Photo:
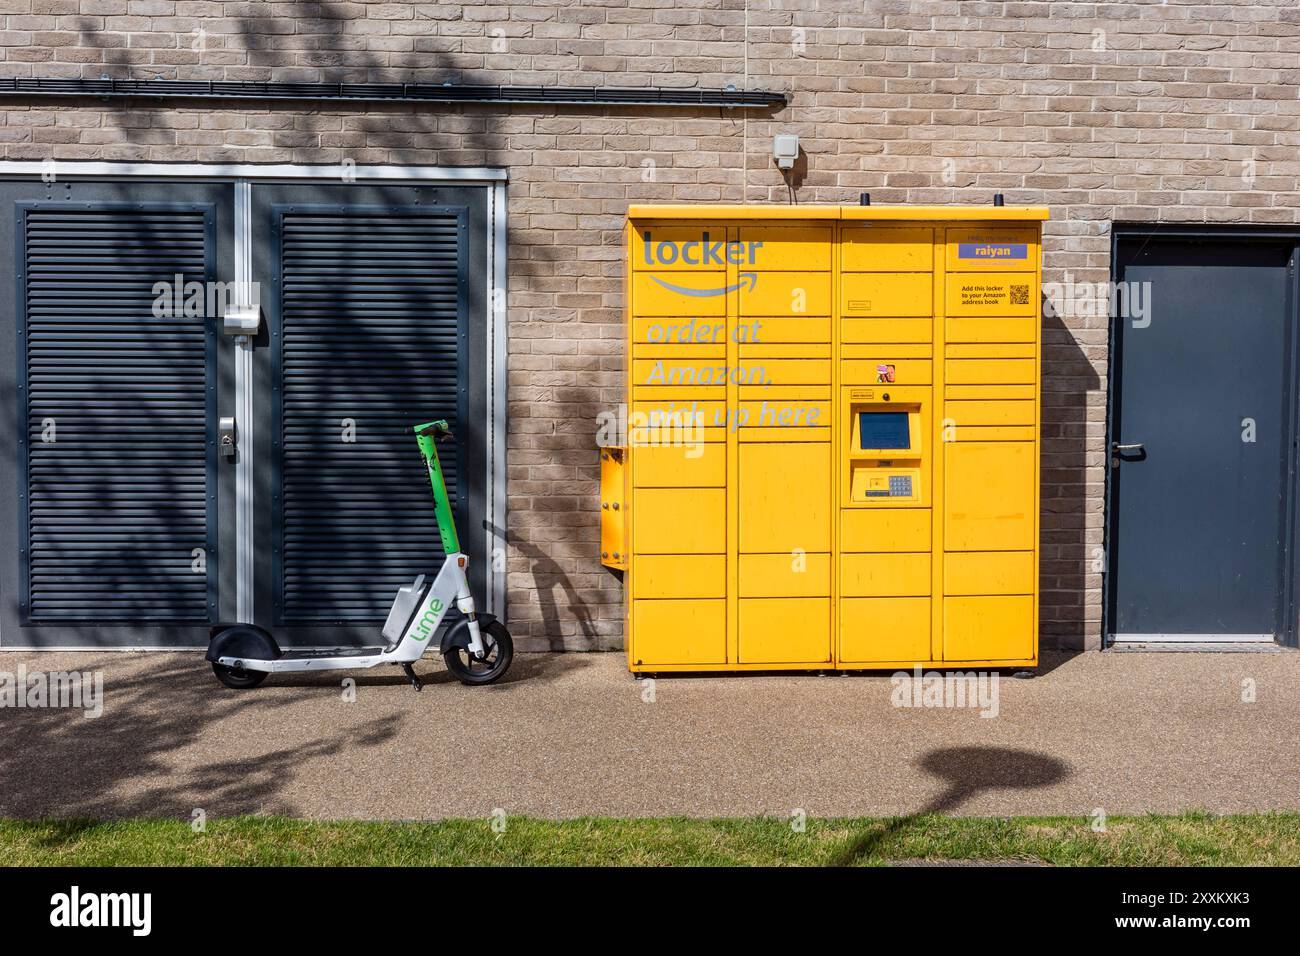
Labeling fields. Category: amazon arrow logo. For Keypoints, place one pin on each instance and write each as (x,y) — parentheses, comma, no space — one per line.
(747,282)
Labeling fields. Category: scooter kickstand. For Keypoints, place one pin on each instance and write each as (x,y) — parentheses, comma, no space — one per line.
(415,680)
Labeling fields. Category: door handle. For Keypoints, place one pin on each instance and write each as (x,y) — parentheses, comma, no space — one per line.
(1117,451)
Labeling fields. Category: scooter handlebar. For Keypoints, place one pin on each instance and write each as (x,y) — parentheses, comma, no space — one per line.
(440,431)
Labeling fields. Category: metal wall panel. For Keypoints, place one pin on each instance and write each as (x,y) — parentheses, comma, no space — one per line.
(135,472)
(372,340)
(110,494)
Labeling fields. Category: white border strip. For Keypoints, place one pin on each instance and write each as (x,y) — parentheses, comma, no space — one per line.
(245,553)
(496,551)
(1193,638)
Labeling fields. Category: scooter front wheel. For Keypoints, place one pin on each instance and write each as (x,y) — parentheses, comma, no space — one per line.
(500,652)
(236,677)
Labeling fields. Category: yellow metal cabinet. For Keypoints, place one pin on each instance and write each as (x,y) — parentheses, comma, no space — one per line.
(785,575)
(831,454)
(873,248)
(679,632)
(679,521)
(784,472)
(675,466)
(785,293)
(987,627)
(884,630)
(785,631)
(990,496)
(681,576)
(886,295)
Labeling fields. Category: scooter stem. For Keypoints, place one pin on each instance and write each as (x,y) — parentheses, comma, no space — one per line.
(425,437)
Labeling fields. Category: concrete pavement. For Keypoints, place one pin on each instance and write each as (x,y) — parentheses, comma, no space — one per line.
(570,734)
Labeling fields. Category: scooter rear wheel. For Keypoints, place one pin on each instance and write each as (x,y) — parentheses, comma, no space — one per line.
(470,670)
(237,678)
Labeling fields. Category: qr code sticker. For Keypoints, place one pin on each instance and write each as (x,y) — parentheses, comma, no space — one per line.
(1020,295)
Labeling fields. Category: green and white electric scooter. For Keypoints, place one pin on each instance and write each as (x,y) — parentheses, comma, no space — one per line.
(477,648)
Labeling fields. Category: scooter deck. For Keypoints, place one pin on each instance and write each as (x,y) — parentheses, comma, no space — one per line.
(313,653)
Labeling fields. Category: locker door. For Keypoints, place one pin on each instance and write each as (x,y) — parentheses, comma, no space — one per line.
(113,370)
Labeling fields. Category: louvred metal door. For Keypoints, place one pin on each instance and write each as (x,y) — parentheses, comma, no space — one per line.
(368,321)
(115,372)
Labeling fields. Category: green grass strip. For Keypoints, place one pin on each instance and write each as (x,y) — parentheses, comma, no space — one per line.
(1193,839)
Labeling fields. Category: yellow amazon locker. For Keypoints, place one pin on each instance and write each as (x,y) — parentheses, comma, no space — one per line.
(850,479)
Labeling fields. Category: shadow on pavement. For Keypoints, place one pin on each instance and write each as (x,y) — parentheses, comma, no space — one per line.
(58,763)
(968,771)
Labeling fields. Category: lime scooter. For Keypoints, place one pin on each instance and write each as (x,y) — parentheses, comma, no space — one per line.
(477,648)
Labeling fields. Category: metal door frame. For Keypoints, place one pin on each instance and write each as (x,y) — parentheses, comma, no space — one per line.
(1288,627)
(243,175)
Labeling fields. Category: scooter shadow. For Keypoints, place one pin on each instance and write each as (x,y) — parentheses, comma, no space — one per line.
(524,668)
(361,678)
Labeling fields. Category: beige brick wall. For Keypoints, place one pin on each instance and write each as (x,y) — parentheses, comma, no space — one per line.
(1103,111)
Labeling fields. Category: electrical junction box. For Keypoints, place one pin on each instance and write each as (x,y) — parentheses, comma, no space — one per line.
(833,425)
(785,150)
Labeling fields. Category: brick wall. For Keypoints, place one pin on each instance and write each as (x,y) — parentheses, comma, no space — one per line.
(1103,111)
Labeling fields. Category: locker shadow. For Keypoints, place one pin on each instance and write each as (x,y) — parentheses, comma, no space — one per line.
(969,771)
(532,667)
(1066,560)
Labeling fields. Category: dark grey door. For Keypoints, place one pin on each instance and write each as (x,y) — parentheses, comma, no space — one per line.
(368,292)
(1200,442)
(111,373)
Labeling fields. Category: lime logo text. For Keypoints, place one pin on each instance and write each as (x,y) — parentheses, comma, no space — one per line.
(429,620)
